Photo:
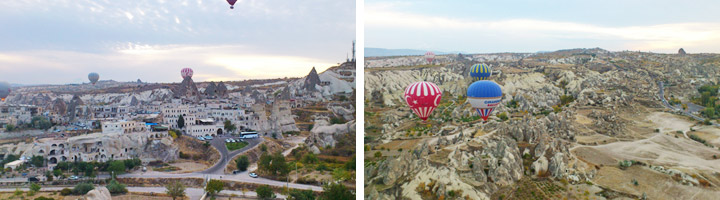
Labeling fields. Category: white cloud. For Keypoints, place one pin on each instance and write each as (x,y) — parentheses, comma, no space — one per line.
(382,17)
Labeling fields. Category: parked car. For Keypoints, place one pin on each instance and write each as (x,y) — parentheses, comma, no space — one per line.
(232,140)
(33,179)
(73,177)
(253,175)
(144,169)
(236,171)
(208,137)
(227,140)
(201,138)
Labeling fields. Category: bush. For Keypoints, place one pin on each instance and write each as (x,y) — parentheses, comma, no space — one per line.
(263,147)
(296,194)
(264,192)
(34,188)
(503,116)
(82,188)
(116,188)
(309,158)
(214,186)
(378,154)
(242,163)
(336,191)
(44,198)
(184,155)
(66,192)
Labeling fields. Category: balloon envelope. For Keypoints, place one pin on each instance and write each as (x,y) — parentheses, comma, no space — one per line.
(422,97)
(480,72)
(4,90)
(186,72)
(232,3)
(484,96)
(429,56)
(93,77)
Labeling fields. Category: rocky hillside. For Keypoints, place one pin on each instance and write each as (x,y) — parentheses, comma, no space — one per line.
(554,102)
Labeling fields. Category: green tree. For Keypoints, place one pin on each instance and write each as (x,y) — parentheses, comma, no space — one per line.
(263,147)
(309,158)
(242,163)
(278,165)
(229,126)
(116,188)
(175,189)
(57,172)
(83,188)
(296,194)
(49,176)
(503,116)
(214,186)
(264,162)
(9,128)
(37,161)
(34,188)
(116,166)
(709,112)
(181,122)
(336,191)
(264,192)
(40,122)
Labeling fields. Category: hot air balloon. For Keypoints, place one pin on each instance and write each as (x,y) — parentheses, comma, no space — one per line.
(93,77)
(423,97)
(429,56)
(186,73)
(232,3)
(480,72)
(4,90)
(484,96)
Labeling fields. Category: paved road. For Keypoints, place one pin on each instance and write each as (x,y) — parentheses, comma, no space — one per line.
(240,177)
(225,155)
(192,193)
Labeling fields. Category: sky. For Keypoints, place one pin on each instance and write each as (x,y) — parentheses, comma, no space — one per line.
(661,26)
(61,41)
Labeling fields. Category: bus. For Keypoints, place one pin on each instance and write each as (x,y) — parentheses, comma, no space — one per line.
(246,135)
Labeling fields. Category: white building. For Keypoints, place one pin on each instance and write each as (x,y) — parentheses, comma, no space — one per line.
(123,127)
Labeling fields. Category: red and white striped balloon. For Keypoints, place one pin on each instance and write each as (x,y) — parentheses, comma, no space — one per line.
(423,97)
(429,56)
(186,72)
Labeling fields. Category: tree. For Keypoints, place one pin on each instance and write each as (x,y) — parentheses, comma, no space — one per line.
(37,161)
(263,147)
(264,162)
(181,122)
(34,188)
(336,191)
(229,126)
(278,165)
(49,175)
(175,189)
(709,112)
(9,128)
(242,163)
(214,186)
(83,188)
(57,172)
(116,188)
(40,122)
(309,158)
(264,192)
(116,166)
(296,194)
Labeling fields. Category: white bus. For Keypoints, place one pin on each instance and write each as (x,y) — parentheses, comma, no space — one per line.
(249,135)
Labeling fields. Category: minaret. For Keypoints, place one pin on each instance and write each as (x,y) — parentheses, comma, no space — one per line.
(353,51)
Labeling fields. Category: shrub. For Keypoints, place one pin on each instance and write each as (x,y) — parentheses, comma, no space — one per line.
(264,192)
(116,188)
(82,188)
(66,191)
(378,154)
(44,198)
(242,163)
(34,188)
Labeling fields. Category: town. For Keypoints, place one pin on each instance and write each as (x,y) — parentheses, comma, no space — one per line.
(287,135)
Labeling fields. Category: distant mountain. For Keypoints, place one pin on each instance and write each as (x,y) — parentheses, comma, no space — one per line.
(374,52)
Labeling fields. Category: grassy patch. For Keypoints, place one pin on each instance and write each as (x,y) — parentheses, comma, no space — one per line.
(232,146)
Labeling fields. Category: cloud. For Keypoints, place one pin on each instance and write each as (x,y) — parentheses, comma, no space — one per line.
(658,37)
(154,62)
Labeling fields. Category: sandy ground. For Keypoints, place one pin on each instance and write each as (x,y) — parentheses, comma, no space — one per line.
(187,167)
(667,122)
(655,184)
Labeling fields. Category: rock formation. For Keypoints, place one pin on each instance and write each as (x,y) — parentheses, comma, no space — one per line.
(311,80)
